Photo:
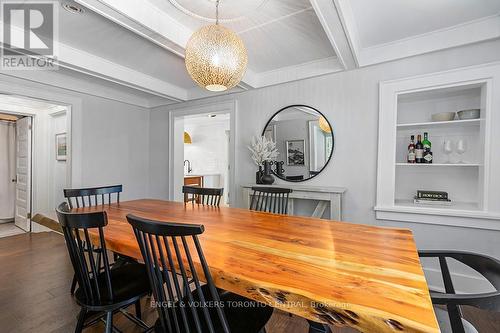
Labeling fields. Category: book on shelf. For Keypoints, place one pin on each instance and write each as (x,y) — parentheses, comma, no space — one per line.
(432,202)
(432,195)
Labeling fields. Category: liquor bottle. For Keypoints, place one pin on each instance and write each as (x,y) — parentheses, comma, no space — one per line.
(427,156)
(427,144)
(419,150)
(411,150)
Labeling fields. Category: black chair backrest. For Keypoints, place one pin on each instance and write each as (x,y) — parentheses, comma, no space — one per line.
(203,195)
(167,254)
(100,195)
(270,199)
(488,267)
(85,257)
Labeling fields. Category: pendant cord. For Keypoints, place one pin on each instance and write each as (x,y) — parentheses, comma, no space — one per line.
(217,12)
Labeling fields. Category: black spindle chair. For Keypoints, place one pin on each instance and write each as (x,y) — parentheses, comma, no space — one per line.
(270,199)
(488,267)
(172,251)
(203,195)
(103,290)
(88,197)
(92,196)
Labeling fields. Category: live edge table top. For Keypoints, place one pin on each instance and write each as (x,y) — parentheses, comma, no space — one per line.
(345,274)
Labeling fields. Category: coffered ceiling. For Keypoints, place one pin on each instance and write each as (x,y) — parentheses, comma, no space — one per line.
(139,44)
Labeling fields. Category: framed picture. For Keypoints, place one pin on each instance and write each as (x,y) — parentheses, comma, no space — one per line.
(61,147)
(295,150)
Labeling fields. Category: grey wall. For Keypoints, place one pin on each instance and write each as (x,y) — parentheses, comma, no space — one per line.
(115,146)
(110,139)
(350,101)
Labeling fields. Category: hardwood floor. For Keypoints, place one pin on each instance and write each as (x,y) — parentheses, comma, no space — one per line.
(9,229)
(35,276)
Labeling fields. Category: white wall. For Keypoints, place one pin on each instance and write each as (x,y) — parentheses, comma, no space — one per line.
(115,146)
(58,179)
(158,168)
(350,101)
(208,151)
(109,144)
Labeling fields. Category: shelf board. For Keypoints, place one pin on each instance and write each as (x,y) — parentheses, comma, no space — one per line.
(424,165)
(440,123)
(455,205)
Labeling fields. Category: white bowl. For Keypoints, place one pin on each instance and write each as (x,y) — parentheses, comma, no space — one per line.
(443,116)
(469,114)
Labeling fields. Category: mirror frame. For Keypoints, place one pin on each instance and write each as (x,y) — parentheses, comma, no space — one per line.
(333,136)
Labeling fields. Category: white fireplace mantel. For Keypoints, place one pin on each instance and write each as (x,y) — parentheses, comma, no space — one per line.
(322,195)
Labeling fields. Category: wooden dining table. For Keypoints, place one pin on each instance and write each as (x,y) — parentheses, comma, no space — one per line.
(329,272)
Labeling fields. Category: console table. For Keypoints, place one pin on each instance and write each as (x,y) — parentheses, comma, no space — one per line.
(322,195)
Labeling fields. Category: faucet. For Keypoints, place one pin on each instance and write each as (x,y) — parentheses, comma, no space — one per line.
(189,166)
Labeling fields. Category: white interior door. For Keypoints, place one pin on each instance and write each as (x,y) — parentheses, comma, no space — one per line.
(23,173)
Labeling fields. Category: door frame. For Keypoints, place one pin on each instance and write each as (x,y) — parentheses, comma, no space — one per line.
(35,145)
(224,107)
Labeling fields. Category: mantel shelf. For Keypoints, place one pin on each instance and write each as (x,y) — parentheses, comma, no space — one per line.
(424,165)
(440,123)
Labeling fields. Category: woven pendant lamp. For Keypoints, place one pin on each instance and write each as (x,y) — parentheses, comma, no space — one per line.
(323,124)
(216,57)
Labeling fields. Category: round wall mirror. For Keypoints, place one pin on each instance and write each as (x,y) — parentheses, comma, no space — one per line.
(304,139)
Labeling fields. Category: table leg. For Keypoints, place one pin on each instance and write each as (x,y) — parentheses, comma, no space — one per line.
(315,327)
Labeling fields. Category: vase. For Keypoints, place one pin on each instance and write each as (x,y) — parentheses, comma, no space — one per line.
(279,168)
(267,178)
(258,175)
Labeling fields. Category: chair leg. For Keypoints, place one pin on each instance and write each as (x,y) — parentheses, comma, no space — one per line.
(315,327)
(109,322)
(81,320)
(73,285)
(138,312)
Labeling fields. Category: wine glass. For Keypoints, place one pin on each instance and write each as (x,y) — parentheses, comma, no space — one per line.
(461,148)
(447,149)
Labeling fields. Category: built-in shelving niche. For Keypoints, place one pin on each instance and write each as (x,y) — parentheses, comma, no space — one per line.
(407,107)
(462,179)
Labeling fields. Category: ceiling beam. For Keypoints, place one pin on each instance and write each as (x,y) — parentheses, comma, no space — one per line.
(332,24)
(482,29)
(93,65)
(301,71)
(90,64)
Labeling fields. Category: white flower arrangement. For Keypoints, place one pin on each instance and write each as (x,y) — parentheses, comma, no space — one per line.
(263,150)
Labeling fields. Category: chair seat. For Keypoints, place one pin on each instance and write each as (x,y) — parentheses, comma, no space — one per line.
(445,325)
(243,315)
(129,281)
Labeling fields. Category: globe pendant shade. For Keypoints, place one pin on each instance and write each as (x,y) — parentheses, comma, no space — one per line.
(323,124)
(216,58)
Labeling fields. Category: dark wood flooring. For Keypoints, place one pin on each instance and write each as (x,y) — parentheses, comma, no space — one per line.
(35,276)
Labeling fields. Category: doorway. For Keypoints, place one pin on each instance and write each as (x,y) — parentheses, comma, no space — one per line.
(202,149)
(33,156)
(206,154)
(15,173)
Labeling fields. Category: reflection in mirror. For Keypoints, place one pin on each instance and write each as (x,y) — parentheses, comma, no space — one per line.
(304,139)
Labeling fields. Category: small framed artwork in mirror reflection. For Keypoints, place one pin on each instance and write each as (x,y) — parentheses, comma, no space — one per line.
(61,147)
(295,151)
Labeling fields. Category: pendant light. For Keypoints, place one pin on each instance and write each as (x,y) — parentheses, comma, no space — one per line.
(216,58)
(323,124)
